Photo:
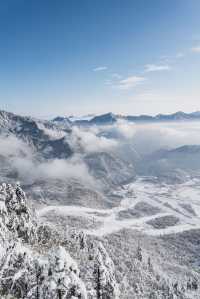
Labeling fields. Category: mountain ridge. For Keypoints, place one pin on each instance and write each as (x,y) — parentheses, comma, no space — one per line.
(111,118)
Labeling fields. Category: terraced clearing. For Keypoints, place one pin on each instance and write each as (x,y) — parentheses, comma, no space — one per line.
(147,206)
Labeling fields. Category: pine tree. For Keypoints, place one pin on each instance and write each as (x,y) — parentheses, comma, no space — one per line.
(150,266)
(139,253)
(25,273)
(104,277)
(98,286)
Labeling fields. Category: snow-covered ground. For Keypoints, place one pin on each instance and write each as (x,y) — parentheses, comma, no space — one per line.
(180,201)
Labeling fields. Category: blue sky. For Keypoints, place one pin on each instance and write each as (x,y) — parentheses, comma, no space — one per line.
(77,57)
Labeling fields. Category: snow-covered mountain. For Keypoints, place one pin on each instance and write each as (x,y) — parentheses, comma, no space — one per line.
(111,118)
(50,158)
(110,211)
(44,137)
(175,164)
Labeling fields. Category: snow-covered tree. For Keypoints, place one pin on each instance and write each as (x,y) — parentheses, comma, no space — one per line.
(26,271)
(139,253)
(105,283)
(20,219)
(63,276)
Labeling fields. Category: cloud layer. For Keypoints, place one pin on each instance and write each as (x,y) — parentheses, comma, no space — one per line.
(144,139)
(156,68)
(196,49)
(100,68)
(130,82)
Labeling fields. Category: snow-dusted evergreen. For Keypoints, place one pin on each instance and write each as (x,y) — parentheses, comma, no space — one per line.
(30,267)
(25,272)
(105,283)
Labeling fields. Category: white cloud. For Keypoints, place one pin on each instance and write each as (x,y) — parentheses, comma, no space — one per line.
(100,68)
(196,49)
(63,169)
(145,138)
(108,82)
(156,68)
(89,141)
(125,129)
(116,76)
(130,82)
(31,171)
(121,130)
(180,55)
(21,159)
(11,146)
(151,137)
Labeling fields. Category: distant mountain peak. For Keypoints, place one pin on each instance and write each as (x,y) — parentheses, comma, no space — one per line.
(107,118)
(61,118)
(110,118)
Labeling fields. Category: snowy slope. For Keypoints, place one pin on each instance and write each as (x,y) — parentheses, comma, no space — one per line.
(176,208)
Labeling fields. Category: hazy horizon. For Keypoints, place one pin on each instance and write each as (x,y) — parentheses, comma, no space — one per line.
(91,114)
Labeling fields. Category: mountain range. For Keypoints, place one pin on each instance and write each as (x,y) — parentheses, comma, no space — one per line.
(109,212)
(110,118)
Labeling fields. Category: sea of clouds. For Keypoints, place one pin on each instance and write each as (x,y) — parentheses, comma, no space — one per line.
(144,139)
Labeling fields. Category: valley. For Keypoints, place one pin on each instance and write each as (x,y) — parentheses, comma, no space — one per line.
(114,195)
(143,201)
